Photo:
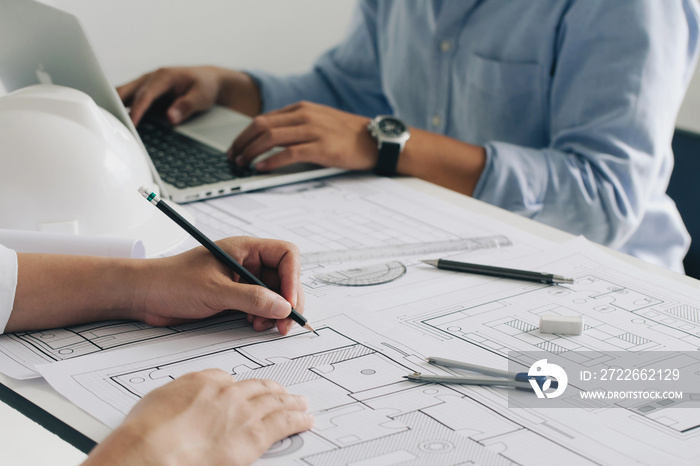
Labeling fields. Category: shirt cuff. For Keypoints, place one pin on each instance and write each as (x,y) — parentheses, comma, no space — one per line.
(513,178)
(280,91)
(8,284)
(275,92)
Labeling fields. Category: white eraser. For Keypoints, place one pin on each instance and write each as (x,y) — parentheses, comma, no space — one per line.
(562,325)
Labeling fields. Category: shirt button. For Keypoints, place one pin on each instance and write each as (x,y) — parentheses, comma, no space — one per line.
(445,45)
(436,120)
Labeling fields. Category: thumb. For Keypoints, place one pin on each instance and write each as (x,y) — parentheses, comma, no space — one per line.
(179,111)
(257,300)
(194,100)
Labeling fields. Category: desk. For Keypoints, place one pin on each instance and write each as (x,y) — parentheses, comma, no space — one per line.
(85,429)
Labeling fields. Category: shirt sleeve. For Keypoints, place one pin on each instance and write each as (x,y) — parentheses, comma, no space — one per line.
(346,77)
(8,284)
(620,73)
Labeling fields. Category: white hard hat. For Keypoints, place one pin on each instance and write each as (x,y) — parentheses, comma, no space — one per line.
(68,166)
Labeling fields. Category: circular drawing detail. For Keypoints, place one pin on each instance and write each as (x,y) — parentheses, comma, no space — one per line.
(364,276)
(284,447)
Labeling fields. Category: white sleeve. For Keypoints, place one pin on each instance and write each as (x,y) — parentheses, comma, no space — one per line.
(8,284)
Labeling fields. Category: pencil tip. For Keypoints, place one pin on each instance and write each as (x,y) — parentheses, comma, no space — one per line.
(432,262)
(560,279)
(311,329)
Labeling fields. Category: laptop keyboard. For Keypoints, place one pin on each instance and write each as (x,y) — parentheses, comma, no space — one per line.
(184,162)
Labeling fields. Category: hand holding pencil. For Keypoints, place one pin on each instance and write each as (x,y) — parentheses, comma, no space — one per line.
(257,266)
(194,285)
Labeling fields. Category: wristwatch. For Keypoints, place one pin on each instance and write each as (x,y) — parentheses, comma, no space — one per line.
(391,135)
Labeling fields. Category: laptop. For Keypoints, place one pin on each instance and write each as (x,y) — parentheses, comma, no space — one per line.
(42,44)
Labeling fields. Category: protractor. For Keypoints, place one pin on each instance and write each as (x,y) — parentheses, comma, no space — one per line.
(364,276)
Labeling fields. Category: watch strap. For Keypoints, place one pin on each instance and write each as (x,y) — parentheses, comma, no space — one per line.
(388,159)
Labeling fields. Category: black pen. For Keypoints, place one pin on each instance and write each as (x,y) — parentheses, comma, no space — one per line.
(219,253)
(500,272)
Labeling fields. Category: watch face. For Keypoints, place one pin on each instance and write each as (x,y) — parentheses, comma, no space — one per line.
(392,127)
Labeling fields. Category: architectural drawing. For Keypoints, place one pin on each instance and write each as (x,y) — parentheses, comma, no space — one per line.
(338,218)
(370,337)
(622,312)
(618,316)
(366,411)
(21,351)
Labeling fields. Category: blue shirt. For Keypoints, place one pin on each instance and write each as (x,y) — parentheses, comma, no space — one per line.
(574,101)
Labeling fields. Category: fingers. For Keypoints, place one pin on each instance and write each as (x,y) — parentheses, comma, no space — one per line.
(286,259)
(282,424)
(199,96)
(150,89)
(183,107)
(263,134)
(276,263)
(194,89)
(284,326)
(291,108)
(276,399)
(280,414)
(208,377)
(275,137)
(261,324)
(255,300)
(126,92)
(247,417)
(306,152)
(253,388)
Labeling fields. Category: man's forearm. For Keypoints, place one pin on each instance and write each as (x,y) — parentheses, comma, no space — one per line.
(239,92)
(58,290)
(442,160)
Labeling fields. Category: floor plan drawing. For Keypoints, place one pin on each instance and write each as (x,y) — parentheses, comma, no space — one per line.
(618,316)
(372,336)
(511,322)
(338,216)
(622,312)
(366,410)
(21,351)
(340,219)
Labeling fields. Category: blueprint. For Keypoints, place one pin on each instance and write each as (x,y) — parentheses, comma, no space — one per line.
(624,309)
(367,413)
(21,351)
(356,223)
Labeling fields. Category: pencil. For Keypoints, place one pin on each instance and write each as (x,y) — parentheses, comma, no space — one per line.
(468,380)
(500,272)
(219,253)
